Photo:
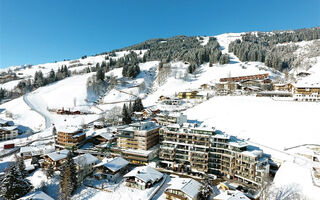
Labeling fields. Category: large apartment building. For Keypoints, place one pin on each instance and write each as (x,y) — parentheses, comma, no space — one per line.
(137,141)
(306,92)
(198,150)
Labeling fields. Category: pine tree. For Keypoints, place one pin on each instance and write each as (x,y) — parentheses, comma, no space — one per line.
(50,171)
(52,76)
(68,178)
(130,109)
(100,74)
(126,118)
(21,167)
(137,105)
(13,185)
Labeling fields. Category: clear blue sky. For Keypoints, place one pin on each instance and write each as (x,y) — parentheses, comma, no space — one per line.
(39,31)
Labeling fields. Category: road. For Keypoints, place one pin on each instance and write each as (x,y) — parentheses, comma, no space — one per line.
(37,109)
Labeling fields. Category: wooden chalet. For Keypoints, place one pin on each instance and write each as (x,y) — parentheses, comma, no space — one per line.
(56,159)
(111,169)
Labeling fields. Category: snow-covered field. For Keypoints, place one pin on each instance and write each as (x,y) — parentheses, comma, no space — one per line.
(278,124)
(22,114)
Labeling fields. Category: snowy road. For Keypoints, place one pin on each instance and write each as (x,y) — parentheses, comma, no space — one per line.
(37,108)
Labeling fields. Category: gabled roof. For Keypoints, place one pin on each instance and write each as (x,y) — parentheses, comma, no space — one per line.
(58,155)
(85,159)
(115,164)
(9,128)
(145,173)
(38,195)
(189,186)
(231,195)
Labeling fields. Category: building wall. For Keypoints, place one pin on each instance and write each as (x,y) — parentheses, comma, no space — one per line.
(142,140)
(8,135)
(68,139)
(211,155)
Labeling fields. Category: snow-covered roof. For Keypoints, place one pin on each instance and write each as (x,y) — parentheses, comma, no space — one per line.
(237,143)
(58,155)
(35,150)
(68,129)
(107,136)
(254,153)
(85,159)
(307,85)
(98,123)
(173,126)
(145,173)
(142,152)
(3,121)
(115,164)
(37,195)
(189,186)
(9,128)
(231,195)
(79,134)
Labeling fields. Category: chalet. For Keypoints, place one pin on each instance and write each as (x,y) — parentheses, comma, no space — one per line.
(250,83)
(69,137)
(98,124)
(306,92)
(183,188)
(55,158)
(283,87)
(171,101)
(189,95)
(85,165)
(149,112)
(231,195)
(138,115)
(4,123)
(142,177)
(32,151)
(226,88)
(206,86)
(112,169)
(8,132)
(104,137)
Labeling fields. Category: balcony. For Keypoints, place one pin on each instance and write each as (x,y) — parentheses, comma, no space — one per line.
(169,194)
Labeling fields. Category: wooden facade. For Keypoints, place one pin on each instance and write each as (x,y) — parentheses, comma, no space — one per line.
(244,78)
(71,138)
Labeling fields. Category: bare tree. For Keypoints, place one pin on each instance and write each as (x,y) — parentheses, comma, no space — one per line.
(112,117)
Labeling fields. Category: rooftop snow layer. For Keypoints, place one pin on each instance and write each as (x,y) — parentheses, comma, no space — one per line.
(187,185)
(38,195)
(145,173)
(85,159)
(115,164)
(58,155)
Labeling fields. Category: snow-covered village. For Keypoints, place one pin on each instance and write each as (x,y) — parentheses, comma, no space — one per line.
(231,116)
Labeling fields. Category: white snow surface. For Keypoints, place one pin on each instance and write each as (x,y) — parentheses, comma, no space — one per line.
(277,124)
(296,177)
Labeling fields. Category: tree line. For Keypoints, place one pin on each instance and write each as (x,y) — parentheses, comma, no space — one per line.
(263,47)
